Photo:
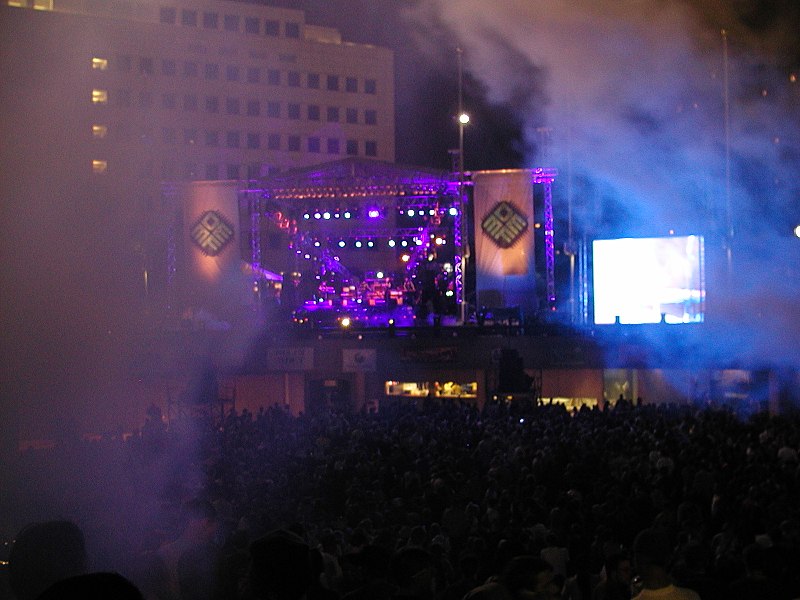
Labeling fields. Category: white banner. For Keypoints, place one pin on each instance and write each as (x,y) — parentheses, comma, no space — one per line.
(359,361)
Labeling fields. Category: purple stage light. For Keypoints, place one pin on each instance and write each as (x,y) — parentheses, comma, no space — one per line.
(374,213)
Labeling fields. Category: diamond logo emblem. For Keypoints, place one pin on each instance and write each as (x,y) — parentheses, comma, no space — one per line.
(504,225)
(211,233)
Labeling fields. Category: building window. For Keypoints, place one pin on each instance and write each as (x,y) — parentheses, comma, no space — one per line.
(272,27)
(123,63)
(313,81)
(351,84)
(293,79)
(293,110)
(212,172)
(370,86)
(313,144)
(333,114)
(274,141)
(99,97)
(232,106)
(251,25)
(253,170)
(168,67)
(352,147)
(232,73)
(333,146)
(371,148)
(253,74)
(231,22)
(99,64)
(233,171)
(352,115)
(212,138)
(232,139)
(313,112)
(210,20)
(333,83)
(168,135)
(253,141)
(168,15)
(168,100)
(123,97)
(273,77)
(190,102)
(212,104)
(212,71)
(99,131)
(292,30)
(189,69)
(293,143)
(43,4)
(190,137)
(99,166)
(253,108)
(274,109)
(145,99)
(370,117)
(189,17)
(145,65)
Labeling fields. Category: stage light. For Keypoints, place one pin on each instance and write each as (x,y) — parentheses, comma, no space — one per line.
(307,256)
(379,274)
(410,212)
(453,211)
(797,231)
(370,243)
(404,243)
(358,243)
(345,322)
(439,241)
(392,243)
(432,212)
(449,293)
(336,215)
(405,258)
(374,213)
(418,241)
(306,216)
(316,244)
(347,214)
(341,243)
(317,215)
(326,215)
(463,118)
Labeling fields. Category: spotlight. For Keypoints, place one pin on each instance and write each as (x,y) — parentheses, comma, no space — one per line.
(341,244)
(316,244)
(410,212)
(392,243)
(347,214)
(306,216)
(404,243)
(453,211)
(379,274)
(370,243)
(405,258)
(374,213)
(317,215)
(345,322)
(432,212)
(326,215)
(439,241)
(358,243)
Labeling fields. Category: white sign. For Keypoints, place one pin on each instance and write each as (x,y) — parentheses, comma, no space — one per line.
(358,361)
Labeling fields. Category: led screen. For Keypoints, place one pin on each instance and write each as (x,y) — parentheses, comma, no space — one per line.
(647,280)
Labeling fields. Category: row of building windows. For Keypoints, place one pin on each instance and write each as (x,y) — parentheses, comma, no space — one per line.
(214,138)
(232,73)
(230,22)
(237,106)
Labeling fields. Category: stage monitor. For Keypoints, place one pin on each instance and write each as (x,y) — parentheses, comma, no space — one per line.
(649,280)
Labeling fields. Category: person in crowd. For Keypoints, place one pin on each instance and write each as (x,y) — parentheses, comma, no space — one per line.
(651,556)
(617,582)
(43,554)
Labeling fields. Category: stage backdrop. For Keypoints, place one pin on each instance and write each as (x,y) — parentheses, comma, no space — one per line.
(504,250)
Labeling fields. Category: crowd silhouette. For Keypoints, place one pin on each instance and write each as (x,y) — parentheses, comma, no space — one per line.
(436,501)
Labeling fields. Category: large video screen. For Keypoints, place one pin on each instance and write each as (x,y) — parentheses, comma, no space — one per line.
(649,280)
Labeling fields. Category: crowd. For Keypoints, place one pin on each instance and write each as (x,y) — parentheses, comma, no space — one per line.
(443,502)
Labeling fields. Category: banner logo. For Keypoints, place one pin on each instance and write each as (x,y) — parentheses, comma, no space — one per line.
(211,233)
(504,225)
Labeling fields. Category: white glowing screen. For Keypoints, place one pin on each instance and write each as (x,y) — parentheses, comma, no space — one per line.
(647,280)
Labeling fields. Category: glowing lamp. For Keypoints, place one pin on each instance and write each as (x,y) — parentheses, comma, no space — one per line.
(341,243)
(405,258)
(453,211)
(463,118)
(326,215)
(392,243)
(345,322)
(374,213)
(347,214)
(358,243)
(797,231)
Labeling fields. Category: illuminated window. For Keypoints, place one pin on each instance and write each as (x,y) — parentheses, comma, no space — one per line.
(43,4)
(99,64)
(99,97)
(99,166)
(21,3)
(99,131)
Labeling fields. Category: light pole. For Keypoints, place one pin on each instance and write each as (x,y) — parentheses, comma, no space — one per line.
(463,119)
